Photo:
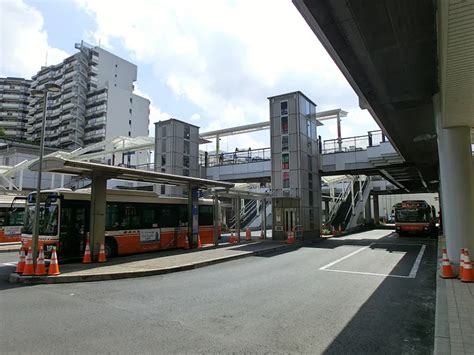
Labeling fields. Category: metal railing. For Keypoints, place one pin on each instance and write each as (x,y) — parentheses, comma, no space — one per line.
(237,157)
(352,144)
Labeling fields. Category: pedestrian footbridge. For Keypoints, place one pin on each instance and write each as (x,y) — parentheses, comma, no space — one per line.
(371,154)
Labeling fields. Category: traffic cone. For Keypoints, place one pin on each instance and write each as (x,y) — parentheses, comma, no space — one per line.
(102,257)
(468,274)
(29,268)
(248,235)
(461,264)
(53,265)
(291,238)
(231,238)
(21,263)
(199,242)
(446,269)
(40,266)
(87,254)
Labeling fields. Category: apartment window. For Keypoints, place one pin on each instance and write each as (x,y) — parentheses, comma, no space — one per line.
(284,143)
(163,159)
(129,133)
(163,131)
(115,75)
(186,161)
(310,163)
(285,161)
(130,110)
(187,147)
(311,198)
(185,172)
(130,122)
(163,170)
(9,114)
(286,180)
(116,65)
(310,181)
(163,145)
(284,108)
(187,132)
(163,189)
(284,125)
(131,100)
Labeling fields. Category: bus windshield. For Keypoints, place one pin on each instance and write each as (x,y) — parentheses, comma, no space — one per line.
(48,220)
(412,215)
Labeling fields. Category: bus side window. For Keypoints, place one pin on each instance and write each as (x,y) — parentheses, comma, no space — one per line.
(147,216)
(112,217)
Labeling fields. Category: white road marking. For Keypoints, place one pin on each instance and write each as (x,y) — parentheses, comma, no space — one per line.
(416,265)
(9,264)
(369,273)
(413,271)
(345,257)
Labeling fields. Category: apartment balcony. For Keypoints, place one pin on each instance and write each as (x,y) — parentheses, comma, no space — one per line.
(10,105)
(95,134)
(95,122)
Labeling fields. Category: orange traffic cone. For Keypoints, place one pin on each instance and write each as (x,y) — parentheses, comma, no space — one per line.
(21,263)
(53,265)
(231,238)
(248,235)
(446,269)
(461,264)
(29,268)
(468,274)
(199,242)
(102,257)
(40,266)
(87,254)
(186,242)
(291,238)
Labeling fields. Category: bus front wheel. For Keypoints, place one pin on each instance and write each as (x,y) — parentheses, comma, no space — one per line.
(110,248)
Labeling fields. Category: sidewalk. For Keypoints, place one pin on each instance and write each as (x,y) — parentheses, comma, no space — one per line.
(156,263)
(454,329)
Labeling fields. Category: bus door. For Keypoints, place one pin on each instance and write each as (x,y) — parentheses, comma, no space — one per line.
(74,226)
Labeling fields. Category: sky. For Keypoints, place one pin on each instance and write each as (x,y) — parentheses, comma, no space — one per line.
(212,63)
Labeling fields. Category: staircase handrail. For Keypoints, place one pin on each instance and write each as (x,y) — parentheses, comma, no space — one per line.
(339,200)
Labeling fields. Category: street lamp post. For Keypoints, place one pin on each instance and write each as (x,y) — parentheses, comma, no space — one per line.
(44,94)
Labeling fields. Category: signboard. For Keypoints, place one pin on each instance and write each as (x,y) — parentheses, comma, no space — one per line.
(150,235)
(12,230)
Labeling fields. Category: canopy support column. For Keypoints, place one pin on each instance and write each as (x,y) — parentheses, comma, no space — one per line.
(97,213)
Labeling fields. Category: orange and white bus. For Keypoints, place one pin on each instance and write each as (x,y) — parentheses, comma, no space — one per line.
(135,221)
(415,217)
(12,209)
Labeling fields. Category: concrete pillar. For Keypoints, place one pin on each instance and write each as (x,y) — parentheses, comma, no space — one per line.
(97,214)
(193,215)
(20,184)
(326,210)
(264,218)
(52,180)
(216,219)
(62,180)
(237,218)
(376,209)
(457,188)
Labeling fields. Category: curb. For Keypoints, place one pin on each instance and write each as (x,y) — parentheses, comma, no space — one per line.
(442,338)
(34,280)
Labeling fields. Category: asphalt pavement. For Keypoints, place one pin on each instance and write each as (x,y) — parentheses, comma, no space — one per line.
(359,294)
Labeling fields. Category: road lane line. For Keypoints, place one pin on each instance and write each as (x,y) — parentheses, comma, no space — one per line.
(417,263)
(369,273)
(345,257)
(9,264)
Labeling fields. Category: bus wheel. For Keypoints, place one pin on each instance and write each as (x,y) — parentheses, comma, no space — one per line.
(110,248)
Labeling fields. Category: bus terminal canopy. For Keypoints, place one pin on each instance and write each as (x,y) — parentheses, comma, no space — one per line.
(87,169)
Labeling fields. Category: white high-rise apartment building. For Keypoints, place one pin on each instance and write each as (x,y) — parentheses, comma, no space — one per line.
(96,101)
(14,96)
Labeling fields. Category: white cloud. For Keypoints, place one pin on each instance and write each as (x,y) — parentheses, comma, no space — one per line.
(227,57)
(24,42)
